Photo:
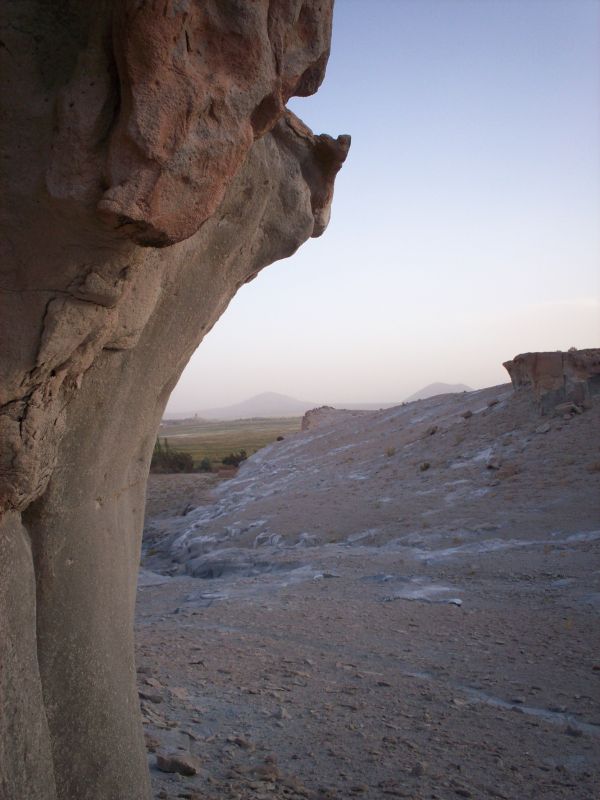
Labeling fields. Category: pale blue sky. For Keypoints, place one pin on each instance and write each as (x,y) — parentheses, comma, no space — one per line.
(465,225)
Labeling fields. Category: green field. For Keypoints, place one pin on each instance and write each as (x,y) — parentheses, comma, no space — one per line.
(216,439)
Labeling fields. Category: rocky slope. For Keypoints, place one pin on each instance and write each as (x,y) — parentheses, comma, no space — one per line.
(426,469)
(389,604)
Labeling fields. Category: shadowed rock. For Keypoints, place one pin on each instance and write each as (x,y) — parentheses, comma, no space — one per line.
(126,127)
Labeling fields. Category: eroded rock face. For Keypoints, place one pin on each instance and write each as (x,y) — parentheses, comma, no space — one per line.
(557,377)
(216,78)
(316,417)
(150,169)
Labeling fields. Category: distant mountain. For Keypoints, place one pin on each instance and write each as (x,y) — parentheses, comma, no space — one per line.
(267,404)
(273,404)
(438,388)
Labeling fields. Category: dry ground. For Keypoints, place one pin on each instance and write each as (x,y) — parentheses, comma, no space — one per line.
(215,439)
(367,627)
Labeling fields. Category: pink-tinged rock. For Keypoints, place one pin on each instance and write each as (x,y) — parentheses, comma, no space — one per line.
(557,377)
(214,79)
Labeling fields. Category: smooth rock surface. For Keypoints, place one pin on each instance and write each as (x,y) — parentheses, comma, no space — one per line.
(149,170)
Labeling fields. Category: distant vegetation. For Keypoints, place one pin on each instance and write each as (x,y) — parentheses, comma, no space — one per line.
(166,459)
(205,446)
(235,459)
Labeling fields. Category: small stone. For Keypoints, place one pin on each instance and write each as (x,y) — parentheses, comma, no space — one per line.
(244,744)
(296,785)
(467,414)
(150,696)
(152,744)
(267,772)
(543,428)
(418,770)
(494,462)
(568,408)
(391,788)
(181,763)
(424,466)
(571,730)
(431,430)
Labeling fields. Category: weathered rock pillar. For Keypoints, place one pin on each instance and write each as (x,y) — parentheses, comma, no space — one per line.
(149,169)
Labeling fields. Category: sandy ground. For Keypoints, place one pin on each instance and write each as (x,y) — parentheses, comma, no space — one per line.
(341,621)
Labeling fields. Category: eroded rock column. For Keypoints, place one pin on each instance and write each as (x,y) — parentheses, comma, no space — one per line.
(150,169)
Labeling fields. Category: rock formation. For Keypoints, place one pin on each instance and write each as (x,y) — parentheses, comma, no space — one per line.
(315,416)
(149,170)
(556,378)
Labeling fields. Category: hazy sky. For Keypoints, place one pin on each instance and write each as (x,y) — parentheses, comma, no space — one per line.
(465,225)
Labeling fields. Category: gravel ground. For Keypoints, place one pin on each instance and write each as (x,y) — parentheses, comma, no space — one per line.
(340,621)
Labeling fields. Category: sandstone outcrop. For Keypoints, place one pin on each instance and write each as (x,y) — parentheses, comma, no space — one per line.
(149,170)
(557,377)
(316,416)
